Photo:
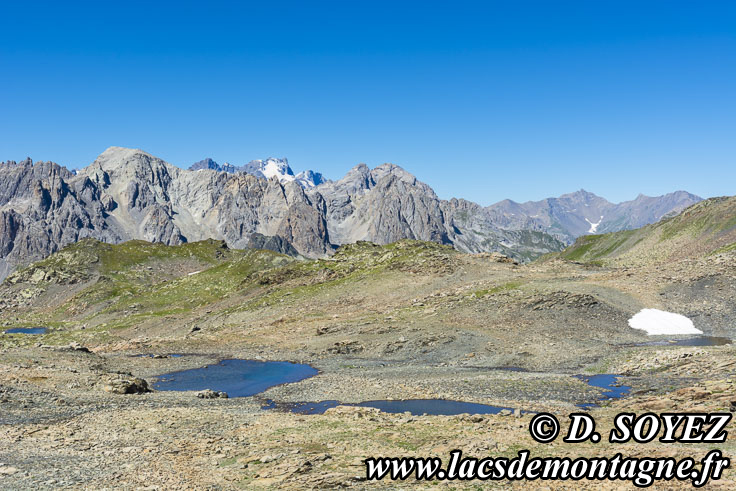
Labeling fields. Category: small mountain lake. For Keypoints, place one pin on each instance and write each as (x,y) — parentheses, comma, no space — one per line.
(696,341)
(243,378)
(609,383)
(149,355)
(27,330)
(239,378)
(416,407)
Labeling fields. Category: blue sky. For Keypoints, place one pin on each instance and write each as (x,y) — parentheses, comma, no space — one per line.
(485,101)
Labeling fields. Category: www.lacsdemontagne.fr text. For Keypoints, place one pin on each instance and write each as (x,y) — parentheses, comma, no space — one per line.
(642,472)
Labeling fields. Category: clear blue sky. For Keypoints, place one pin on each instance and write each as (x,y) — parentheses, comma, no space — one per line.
(487,100)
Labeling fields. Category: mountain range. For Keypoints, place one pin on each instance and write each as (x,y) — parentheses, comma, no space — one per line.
(129,194)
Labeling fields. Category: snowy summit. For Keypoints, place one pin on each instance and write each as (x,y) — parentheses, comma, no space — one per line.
(266,169)
(271,167)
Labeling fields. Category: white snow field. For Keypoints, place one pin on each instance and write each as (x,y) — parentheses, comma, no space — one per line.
(657,322)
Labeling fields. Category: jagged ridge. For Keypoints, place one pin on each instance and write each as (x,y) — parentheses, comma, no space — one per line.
(128,194)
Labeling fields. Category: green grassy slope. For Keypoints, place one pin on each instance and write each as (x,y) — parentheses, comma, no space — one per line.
(90,280)
(705,228)
(117,286)
(87,258)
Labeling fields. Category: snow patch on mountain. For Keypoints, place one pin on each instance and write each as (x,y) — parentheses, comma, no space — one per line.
(658,322)
(271,167)
(593,226)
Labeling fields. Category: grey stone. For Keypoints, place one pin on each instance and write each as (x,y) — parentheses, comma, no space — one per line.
(211,394)
(127,386)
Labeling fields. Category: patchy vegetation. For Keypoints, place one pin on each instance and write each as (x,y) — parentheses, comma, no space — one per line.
(704,228)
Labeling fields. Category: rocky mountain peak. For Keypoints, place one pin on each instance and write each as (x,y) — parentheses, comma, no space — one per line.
(23,163)
(118,155)
(310,179)
(384,170)
(361,170)
(271,167)
(582,196)
(207,163)
(128,162)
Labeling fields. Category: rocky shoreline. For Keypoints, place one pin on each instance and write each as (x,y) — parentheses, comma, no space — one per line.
(61,427)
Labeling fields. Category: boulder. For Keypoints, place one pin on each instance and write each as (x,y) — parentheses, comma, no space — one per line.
(127,386)
(212,394)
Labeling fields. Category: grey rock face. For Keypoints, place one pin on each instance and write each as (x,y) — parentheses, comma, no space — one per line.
(272,243)
(387,204)
(49,208)
(128,194)
(381,205)
(247,204)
